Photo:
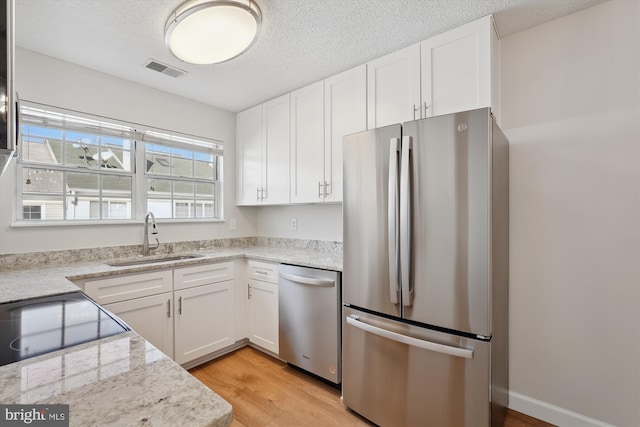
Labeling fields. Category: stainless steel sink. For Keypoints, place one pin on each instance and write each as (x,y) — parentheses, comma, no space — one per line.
(151,260)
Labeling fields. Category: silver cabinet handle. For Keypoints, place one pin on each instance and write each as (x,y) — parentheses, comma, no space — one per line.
(257,193)
(319,189)
(248,291)
(392,219)
(405,221)
(264,193)
(414,342)
(180,305)
(308,280)
(415,110)
(326,187)
(169,308)
(426,107)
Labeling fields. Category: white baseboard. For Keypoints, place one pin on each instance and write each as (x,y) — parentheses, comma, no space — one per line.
(550,413)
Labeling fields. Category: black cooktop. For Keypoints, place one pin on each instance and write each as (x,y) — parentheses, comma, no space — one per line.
(36,326)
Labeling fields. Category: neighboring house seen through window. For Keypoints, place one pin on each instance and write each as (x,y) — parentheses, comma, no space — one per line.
(76,167)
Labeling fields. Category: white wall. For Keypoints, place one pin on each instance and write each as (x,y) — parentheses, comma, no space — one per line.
(570,108)
(314,222)
(51,81)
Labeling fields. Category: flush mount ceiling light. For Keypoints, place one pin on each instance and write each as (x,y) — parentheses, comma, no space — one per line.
(212,31)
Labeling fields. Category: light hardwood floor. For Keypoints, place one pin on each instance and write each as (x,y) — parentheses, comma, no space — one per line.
(266,392)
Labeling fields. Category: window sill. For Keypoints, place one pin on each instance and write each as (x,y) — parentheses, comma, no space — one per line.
(127,222)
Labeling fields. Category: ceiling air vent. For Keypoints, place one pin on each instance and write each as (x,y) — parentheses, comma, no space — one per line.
(154,65)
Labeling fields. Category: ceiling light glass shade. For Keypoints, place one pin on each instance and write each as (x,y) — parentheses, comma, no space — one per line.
(212,31)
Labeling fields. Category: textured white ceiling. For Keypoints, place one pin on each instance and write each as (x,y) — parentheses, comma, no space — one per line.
(302,41)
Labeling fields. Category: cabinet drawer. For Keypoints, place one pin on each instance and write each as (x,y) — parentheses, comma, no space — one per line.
(121,288)
(263,271)
(199,275)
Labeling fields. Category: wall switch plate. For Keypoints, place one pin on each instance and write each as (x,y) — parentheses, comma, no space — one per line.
(232,224)
(294,224)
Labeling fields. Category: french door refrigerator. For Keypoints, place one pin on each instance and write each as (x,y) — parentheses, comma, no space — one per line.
(425,275)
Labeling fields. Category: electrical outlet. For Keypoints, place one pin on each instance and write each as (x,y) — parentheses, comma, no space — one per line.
(232,224)
(294,224)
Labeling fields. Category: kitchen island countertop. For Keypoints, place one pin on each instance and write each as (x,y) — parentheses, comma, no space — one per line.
(117,381)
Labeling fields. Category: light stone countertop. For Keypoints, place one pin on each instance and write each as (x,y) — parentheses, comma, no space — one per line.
(50,280)
(117,381)
(123,379)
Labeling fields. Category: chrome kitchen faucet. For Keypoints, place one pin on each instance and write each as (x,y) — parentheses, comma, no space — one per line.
(154,230)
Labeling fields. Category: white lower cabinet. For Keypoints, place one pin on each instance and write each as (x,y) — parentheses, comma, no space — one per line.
(189,314)
(203,320)
(151,317)
(263,305)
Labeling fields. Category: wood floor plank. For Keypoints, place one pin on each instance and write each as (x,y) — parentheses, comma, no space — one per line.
(266,392)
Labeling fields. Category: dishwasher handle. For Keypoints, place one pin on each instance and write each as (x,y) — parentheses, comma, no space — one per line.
(327,283)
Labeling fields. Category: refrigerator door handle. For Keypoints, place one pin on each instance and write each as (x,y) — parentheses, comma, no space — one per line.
(308,280)
(393,225)
(405,221)
(414,342)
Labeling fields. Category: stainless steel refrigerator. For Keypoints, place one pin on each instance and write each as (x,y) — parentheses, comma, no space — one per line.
(425,277)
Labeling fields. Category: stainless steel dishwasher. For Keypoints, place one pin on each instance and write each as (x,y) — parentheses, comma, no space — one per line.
(309,325)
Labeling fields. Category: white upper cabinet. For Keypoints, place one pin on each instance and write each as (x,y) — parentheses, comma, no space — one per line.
(263,153)
(307,144)
(345,112)
(249,156)
(290,148)
(451,72)
(393,87)
(458,69)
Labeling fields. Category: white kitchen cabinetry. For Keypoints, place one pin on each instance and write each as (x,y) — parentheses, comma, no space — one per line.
(393,87)
(262,293)
(204,310)
(307,144)
(187,313)
(151,317)
(263,153)
(459,69)
(345,112)
(451,72)
(143,301)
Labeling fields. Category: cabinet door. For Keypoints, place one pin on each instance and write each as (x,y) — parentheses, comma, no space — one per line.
(151,317)
(249,156)
(345,112)
(456,69)
(203,320)
(263,315)
(393,88)
(307,144)
(276,151)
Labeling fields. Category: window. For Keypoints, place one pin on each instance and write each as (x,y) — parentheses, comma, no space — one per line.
(182,176)
(77,167)
(32,212)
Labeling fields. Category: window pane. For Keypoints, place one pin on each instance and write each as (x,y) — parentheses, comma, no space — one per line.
(183,190)
(42,181)
(183,210)
(204,166)
(51,207)
(116,190)
(182,163)
(158,159)
(83,193)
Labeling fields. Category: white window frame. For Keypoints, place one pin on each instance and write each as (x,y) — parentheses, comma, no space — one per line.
(140,135)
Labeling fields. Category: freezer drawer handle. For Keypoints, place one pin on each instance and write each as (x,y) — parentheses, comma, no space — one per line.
(414,342)
(308,280)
